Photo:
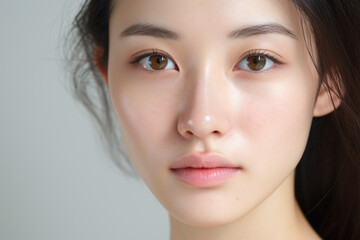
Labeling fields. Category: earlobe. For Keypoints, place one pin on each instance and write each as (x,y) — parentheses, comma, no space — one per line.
(101,67)
(327,101)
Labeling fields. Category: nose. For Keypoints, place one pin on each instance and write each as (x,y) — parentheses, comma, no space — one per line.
(205,109)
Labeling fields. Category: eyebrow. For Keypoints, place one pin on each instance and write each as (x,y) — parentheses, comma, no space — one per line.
(142,29)
(150,30)
(261,29)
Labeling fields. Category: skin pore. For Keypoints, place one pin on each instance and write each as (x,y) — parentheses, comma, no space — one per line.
(207,99)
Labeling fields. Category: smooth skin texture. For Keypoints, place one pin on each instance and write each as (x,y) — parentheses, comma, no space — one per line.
(206,102)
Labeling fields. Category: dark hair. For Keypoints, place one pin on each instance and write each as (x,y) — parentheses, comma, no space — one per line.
(327,179)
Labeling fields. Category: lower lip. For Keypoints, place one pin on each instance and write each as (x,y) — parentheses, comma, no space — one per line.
(205,177)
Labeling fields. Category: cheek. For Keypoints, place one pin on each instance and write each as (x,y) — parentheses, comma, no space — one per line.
(147,119)
(277,124)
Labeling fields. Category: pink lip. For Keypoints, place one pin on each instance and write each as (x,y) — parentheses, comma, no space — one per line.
(204,170)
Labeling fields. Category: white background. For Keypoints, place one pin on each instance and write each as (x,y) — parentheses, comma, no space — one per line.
(56,181)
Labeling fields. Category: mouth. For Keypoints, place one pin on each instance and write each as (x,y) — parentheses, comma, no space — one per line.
(204,170)
(205,177)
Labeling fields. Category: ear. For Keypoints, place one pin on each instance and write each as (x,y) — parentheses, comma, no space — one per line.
(327,100)
(101,67)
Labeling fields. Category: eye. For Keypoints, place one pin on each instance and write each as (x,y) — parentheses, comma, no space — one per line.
(156,62)
(256,62)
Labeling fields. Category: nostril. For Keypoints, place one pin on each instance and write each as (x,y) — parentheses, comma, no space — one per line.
(188,133)
(217,133)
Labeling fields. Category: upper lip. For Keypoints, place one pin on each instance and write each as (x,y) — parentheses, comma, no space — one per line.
(202,160)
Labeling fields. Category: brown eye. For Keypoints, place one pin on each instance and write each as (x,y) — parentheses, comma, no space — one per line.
(255,63)
(157,63)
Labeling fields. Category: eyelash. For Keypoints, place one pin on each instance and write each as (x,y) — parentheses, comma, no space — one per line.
(262,53)
(154,52)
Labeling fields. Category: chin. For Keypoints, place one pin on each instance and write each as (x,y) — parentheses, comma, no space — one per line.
(206,215)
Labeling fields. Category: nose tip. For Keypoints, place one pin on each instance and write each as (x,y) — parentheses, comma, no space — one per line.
(202,127)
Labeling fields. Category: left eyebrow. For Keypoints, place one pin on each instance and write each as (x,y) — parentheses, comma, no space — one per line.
(261,29)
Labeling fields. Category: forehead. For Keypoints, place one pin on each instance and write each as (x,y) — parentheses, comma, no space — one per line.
(213,18)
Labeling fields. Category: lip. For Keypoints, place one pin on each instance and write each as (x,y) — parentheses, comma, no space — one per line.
(204,170)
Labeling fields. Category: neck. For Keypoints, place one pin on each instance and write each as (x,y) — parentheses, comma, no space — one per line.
(277,217)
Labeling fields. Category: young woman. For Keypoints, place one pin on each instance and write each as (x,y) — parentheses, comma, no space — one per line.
(242,117)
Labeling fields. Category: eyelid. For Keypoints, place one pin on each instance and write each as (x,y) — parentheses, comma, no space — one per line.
(257,52)
(260,52)
(146,53)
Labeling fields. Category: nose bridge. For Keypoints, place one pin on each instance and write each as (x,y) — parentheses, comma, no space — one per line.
(204,106)
(204,90)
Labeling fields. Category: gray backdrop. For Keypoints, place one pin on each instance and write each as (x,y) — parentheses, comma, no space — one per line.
(56,181)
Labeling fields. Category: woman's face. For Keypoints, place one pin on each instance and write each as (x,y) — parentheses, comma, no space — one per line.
(234,80)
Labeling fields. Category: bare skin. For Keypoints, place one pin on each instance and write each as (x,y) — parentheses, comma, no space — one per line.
(202,94)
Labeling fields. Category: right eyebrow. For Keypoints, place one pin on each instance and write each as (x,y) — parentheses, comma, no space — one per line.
(150,30)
